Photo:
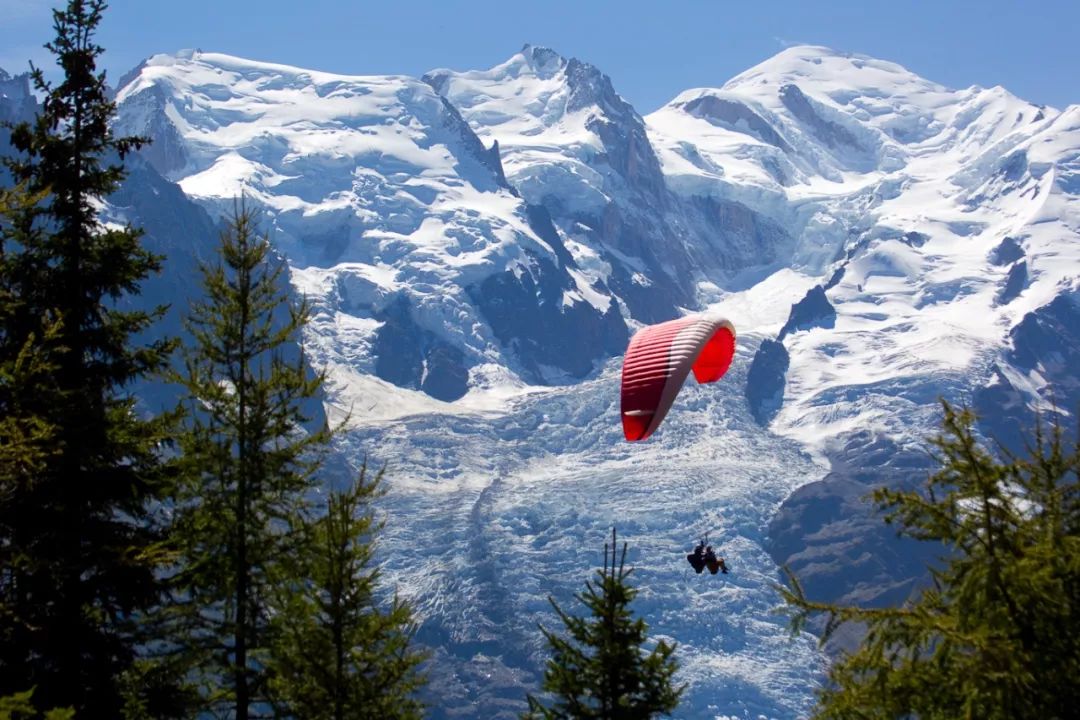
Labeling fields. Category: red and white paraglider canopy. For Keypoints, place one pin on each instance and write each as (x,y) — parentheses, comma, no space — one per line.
(658,360)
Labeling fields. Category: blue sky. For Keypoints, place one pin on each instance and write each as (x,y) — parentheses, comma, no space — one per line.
(651,49)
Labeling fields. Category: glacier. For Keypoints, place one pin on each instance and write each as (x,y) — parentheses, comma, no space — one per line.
(478,245)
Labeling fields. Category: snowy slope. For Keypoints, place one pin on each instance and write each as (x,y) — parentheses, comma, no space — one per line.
(937,223)
(394,217)
(561,127)
(899,190)
(489,514)
(570,143)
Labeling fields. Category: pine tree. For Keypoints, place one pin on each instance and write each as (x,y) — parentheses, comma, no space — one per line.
(601,671)
(336,655)
(997,634)
(81,470)
(248,463)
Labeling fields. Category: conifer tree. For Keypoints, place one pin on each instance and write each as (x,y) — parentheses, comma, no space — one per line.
(997,634)
(336,655)
(248,463)
(601,670)
(81,470)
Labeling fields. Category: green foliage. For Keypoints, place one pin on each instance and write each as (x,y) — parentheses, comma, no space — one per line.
(336,655)
(601,670)
(248,467)
(997,635)
(20,706)
(79,470)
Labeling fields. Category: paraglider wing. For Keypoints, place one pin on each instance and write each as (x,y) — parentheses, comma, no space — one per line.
(658,360)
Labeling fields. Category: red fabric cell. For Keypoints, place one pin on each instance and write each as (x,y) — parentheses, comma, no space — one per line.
(658,360)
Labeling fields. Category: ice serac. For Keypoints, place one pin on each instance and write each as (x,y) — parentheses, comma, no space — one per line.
(396,219)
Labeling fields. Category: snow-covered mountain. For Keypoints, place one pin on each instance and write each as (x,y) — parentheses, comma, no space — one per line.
(424,266)
(936,219)
(942,226)
(477,246)
(937,229)
(570,143)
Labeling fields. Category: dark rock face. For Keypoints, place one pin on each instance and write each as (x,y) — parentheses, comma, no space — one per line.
(527,315)
(1007,252)
(730,235)
(835,541)
(836,277)
(411,357)
(630,155)
(544,61)
(1003,412)
(398,350)
(1046,340)
(766,379)
(17,105)
(445,377)
(145,115)
(651,301)
(493,160)
(814,310)
(735,116)
(914,239)
(654,294)
(621,130)
(474,149)
(541,224)
(1049,339)
(1015,283)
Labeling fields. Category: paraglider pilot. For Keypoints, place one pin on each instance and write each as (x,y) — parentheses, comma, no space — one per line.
(704,557)
(697,558)
(713,562)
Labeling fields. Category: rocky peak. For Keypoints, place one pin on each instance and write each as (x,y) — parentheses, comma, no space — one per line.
(544,62)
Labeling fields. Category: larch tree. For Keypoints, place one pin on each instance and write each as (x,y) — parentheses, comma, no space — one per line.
(337,654)
(248,467)
(996,634)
